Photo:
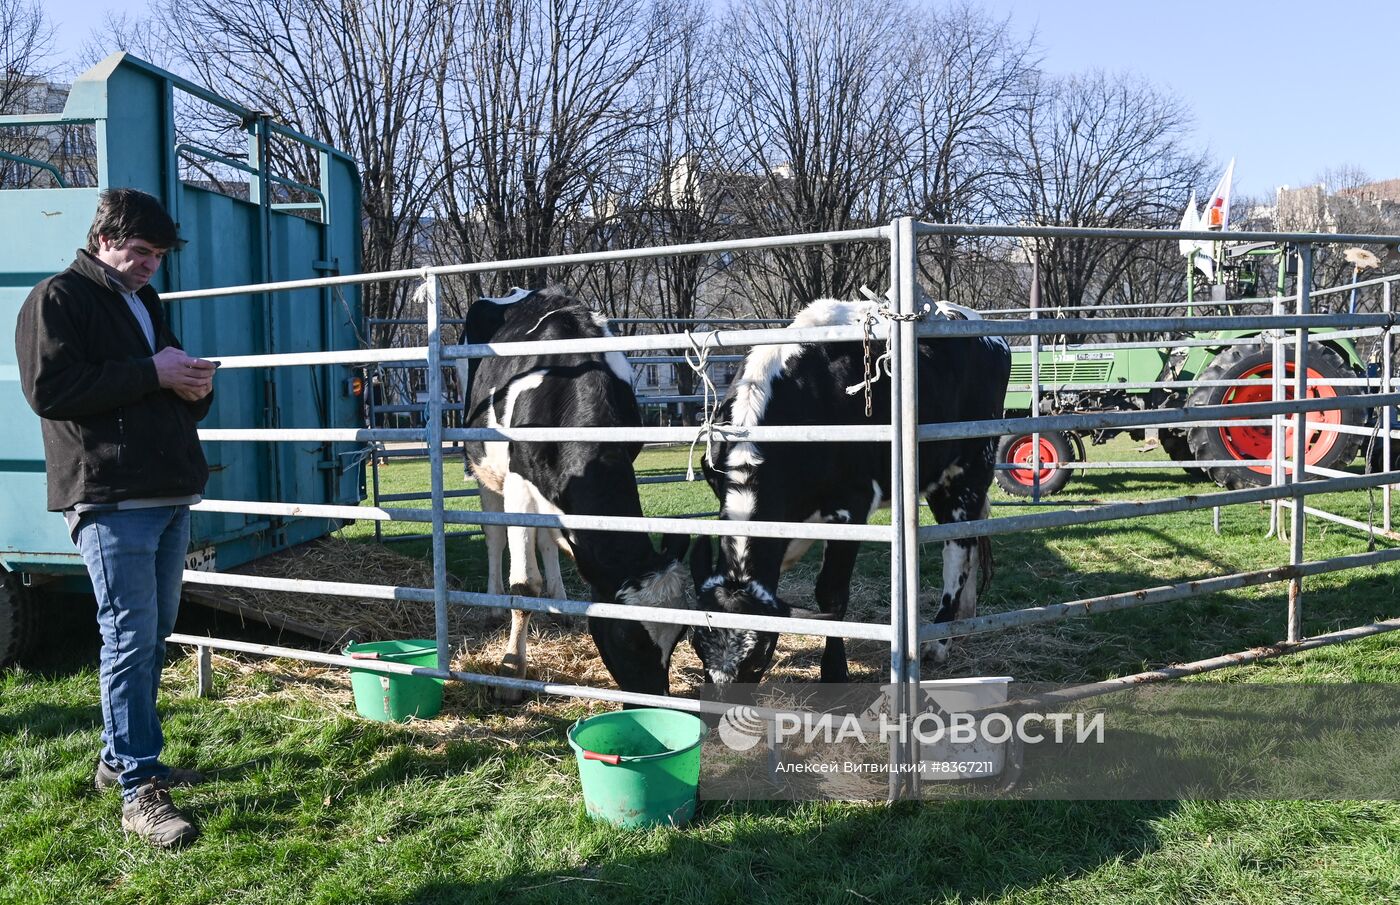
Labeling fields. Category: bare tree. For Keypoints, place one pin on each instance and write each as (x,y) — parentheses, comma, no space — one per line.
(26,40)
(1351,206)
(812,90)
(132,32)
(689,196)
(26,47)
(360,75)
(538,117)
(969,77)
(1100,151)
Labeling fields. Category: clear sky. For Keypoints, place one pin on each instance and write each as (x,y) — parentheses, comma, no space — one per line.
(74,20)
(1289,88)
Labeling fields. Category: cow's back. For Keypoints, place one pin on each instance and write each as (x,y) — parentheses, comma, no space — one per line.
(960,379)
(557,390)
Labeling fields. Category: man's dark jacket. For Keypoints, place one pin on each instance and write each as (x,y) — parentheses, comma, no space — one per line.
(110,432)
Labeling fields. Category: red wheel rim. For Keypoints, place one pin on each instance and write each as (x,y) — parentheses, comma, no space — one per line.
(1022,453)
(1255,442)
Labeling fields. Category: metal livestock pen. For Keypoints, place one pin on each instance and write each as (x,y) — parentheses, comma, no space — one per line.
(905,631)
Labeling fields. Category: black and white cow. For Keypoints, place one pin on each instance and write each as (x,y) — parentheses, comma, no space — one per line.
(573,477)
(960,379)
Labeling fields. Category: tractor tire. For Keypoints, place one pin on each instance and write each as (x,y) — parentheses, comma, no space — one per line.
(1375,456)
(1325,449)
(16,618)
(1175,444)
(1014,449)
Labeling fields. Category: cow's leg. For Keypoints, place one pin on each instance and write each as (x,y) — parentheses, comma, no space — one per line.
(548,543)
(959,590)
(524,581)
(491,501)
(833,592)
(961,498)
(796,549)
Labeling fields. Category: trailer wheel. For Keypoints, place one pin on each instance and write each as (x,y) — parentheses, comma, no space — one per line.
(1325,449)
(16,618)
(1175,444)
(1019,449)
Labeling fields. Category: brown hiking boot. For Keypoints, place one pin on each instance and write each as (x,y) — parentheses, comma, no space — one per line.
(154,817)
(107,778)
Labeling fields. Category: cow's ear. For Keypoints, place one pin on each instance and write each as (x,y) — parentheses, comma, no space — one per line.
(700,566)
(484,317)
(673,546)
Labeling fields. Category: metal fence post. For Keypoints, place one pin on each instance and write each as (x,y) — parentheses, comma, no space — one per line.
(1387,359)
(204,671)
(434,438)
(1035,379)
(1300,443)
(904,500)
(1277,436)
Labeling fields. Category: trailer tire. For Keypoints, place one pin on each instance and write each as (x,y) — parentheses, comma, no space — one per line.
(1327,450)
(1176,444)
(1055,448)
(16,618)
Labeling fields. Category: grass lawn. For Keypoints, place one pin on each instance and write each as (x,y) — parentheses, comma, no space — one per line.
(310,804)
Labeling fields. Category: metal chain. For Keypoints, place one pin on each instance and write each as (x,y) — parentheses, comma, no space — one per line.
(890,315)
(868,324)
(872,369)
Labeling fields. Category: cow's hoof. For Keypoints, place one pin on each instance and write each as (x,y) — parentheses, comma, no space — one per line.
(936,653)
(507,696)
(511,667)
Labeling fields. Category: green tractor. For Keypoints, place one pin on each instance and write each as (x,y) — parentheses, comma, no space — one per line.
(1073,381)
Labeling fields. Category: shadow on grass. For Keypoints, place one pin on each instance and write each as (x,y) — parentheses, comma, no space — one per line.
(51,720)
(732,852)
(801,853)
(67,641)
(1168,481)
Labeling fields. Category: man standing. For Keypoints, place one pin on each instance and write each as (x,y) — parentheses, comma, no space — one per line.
(119,400)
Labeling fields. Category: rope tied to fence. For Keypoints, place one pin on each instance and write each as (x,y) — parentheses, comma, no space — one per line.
(698,358)
(421,295)
(359,456)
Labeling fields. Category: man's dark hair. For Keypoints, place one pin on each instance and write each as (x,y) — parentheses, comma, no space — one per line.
(124,214)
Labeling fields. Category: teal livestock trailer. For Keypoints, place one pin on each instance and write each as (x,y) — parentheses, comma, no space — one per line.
(254,225)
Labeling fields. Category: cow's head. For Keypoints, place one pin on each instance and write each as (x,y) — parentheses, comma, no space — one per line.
(730,654)
(661,581)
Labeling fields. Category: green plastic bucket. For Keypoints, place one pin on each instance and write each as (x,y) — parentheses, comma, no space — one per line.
(395,698)
(639,768)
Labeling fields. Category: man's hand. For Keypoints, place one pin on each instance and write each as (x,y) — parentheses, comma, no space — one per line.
(190,378)
(195,395)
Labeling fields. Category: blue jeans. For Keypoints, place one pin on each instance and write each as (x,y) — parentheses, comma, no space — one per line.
(135,558)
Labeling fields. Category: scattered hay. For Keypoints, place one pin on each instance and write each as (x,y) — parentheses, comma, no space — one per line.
(344,619)
(560,647)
